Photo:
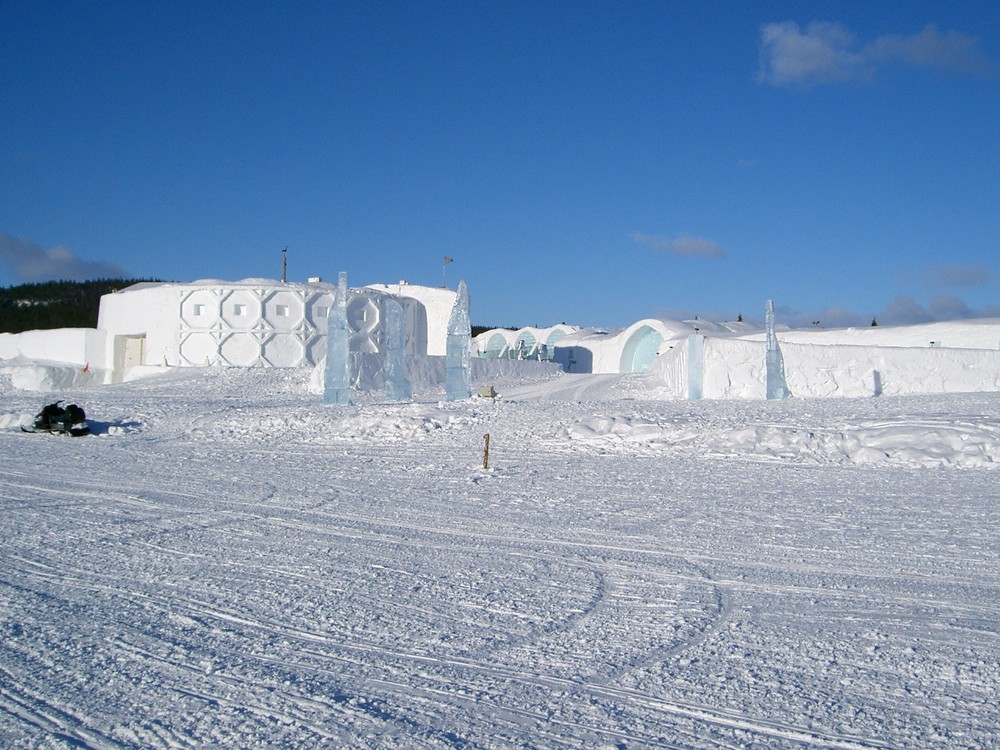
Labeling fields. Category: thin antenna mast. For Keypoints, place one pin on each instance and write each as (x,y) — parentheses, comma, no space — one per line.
(284,263)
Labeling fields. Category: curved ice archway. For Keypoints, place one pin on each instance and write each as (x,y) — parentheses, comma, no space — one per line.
(496,343)
(640,349)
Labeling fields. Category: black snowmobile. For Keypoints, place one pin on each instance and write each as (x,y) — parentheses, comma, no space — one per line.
(68,420)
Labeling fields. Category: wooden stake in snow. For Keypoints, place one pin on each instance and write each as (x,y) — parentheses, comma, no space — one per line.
(486,451)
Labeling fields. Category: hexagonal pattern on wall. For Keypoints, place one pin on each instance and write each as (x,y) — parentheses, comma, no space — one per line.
(240,349)
(284,309)
(199,349)
(200,308)
(241,308)
(272,326)
(315,350)
(363,318)
(282,350)
(318,310)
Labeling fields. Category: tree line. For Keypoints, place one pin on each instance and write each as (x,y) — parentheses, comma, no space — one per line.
(55,304)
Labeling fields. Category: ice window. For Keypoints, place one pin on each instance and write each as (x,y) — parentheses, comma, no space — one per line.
(199,310)
(281,310)
(321,312)
(239,310)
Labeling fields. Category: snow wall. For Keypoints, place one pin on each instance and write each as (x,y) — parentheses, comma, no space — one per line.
(53,360)
(74,346)
(430,371)
(734,368)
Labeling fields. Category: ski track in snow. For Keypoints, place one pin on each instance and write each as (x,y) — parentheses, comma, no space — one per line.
(226,561)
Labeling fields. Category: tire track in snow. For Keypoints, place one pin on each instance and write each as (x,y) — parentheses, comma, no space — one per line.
(57,723)
(204,611)
(199,609)
(254,695)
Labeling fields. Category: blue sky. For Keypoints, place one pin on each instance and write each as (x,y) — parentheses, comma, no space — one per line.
(592,163)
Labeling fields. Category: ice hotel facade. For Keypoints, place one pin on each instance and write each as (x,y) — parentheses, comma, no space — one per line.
(249,323)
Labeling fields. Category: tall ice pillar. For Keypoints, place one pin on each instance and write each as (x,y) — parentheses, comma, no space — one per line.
(696,366)
(457,380)
(337,381)
(774,365)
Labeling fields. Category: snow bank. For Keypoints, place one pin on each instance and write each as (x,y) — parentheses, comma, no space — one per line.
(74,346)
(927,442)
(49,377)
(978,333)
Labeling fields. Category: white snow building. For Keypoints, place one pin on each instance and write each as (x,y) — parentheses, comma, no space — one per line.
(259,322)
(249,323)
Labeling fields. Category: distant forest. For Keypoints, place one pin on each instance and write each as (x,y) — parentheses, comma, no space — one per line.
(55,304)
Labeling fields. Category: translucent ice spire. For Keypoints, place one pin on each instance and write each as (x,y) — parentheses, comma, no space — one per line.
(457,381)
(397,383)
(337,383)
(775,366)
(696,365)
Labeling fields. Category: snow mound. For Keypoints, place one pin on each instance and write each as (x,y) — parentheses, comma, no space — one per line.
(924,443)
(15,421)
(375,423)
(411,422)
(47,377)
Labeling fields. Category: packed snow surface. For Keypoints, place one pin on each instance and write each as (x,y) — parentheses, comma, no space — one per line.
(227,562)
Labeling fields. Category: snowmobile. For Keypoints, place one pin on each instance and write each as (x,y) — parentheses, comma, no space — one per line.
(68,420)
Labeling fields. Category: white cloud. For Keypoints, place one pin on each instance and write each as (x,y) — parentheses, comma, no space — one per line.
(821,54)
(30,262)
(932,49)
(684,245)
(827,52)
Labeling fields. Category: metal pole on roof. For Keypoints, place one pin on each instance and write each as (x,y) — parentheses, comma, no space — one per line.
(284,263)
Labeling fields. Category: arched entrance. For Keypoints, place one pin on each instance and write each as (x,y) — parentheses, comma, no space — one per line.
(640,350)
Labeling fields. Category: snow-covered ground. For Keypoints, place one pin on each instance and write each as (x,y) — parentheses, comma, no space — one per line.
(227,562)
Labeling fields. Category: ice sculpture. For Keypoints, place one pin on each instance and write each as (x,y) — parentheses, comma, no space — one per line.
(774,365)
(696,365)
(397,382)
(457,381)
(337,381)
